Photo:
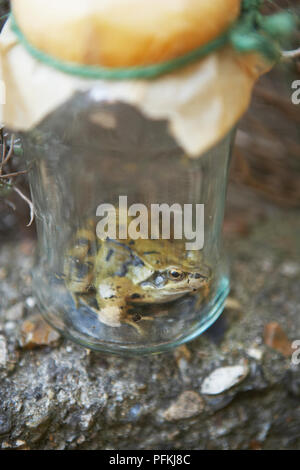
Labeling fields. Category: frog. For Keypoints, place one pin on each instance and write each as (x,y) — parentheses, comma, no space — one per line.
(113,277)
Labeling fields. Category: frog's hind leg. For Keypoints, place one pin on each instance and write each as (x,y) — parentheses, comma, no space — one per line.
(135,321)
(135,326)
(74,295)
(88,300)
(112,315)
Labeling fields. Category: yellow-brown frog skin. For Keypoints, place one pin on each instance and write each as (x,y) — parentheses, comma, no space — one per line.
(121,273)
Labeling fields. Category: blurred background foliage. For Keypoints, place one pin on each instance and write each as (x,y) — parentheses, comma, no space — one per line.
(267,154)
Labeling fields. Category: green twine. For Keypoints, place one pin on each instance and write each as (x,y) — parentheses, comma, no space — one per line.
(251,4)
(251,32)
(130,73)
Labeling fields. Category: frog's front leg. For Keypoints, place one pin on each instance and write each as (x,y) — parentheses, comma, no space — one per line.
(113,309)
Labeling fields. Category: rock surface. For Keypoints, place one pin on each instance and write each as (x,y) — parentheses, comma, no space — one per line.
(57,395)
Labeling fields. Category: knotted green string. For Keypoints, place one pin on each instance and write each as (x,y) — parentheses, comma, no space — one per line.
(263,34)
(251,32)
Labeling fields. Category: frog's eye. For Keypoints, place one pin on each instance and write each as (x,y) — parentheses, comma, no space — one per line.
(175,275)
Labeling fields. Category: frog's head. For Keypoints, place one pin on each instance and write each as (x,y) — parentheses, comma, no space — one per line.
(173,282)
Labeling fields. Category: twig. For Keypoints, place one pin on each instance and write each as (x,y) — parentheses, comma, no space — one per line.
(3,140)
(6,156)
(10,152)
(291,54)
(5,159)
(31,206)
(12,175)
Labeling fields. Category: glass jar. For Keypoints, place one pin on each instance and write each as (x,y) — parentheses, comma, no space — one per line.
(123,294)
